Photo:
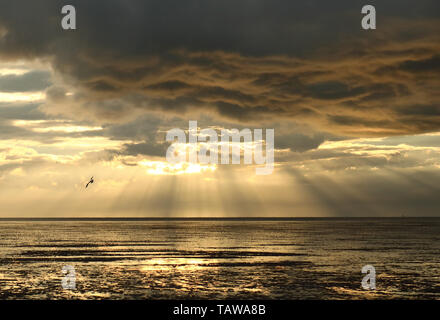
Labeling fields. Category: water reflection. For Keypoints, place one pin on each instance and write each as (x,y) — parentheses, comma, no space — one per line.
(298,259)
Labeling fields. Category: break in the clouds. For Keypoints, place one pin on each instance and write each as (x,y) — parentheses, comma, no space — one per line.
(356,113)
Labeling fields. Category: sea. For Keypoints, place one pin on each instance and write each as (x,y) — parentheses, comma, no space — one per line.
(298,258)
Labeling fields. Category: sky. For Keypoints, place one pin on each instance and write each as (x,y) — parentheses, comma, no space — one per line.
(356,112)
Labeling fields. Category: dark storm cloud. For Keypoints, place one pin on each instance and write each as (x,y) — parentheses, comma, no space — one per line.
(146,135)
(249,27)
(429,65)
(151,149)
(307,61)
(299,142)
(143,128)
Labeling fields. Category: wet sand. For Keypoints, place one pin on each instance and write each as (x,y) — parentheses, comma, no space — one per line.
(220,259)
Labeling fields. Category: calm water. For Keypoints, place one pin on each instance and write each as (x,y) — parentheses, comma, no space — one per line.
(295,259)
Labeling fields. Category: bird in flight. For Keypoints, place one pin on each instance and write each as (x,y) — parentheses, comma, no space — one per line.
(91,181)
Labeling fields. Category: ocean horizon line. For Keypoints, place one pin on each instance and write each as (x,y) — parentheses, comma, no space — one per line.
(203,218)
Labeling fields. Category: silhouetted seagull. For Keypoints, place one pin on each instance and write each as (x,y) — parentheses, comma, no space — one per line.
(91,181)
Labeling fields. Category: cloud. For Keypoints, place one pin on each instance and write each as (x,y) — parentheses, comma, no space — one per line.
(265,60)
(299,142)
(347,105)
(156,149)
(30,81)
